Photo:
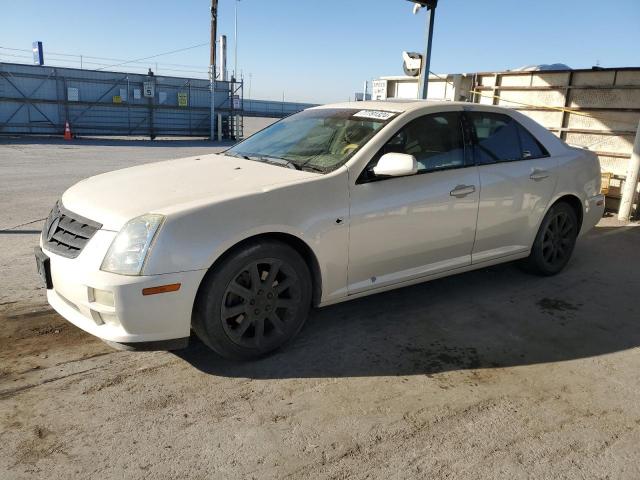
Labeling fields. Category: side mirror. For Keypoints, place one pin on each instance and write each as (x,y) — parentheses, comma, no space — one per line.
(396,165)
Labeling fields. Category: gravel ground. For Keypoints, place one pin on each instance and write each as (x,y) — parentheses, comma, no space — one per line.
(489,374)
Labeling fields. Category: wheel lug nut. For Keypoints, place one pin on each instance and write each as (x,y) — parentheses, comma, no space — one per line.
(269,296)
(256,311)
(252,302)
(268,308)
(260,292)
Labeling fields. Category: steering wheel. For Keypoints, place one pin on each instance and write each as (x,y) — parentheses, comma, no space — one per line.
(348,148)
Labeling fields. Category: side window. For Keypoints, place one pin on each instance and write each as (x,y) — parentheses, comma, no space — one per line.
(500,138)
(497,137)
(531,148)
(435,140)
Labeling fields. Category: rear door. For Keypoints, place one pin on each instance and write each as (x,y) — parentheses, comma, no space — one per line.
(517,181)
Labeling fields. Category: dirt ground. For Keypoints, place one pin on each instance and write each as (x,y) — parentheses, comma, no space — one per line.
(489,374)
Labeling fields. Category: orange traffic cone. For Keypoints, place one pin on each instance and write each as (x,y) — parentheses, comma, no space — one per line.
(67,131)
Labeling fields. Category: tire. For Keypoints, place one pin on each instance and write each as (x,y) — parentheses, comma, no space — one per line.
(554,242)
(254,301)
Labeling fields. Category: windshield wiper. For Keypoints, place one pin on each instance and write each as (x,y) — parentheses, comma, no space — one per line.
(271,159)
(281,162)
(300,166)
(305,166)
(236,155)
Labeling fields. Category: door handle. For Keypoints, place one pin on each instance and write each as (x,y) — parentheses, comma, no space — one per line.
(462,191)
(538,174)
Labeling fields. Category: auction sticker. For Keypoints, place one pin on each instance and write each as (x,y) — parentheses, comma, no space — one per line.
(375,114)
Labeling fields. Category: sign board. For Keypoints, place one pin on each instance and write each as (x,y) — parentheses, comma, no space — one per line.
(379,90)
(117,99)
(136,94)
(38,55)
(183,99)
(162,97)
(149,89)
(375,114)
(73,95)
(236,102)
(123,94)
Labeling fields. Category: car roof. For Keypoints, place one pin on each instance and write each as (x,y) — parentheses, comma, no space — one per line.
(548,139)
(408,105)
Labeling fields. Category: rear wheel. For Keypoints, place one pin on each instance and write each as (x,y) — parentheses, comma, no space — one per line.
(554,242)
(256,300)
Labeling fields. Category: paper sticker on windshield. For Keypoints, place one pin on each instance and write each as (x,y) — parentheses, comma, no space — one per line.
(374,114)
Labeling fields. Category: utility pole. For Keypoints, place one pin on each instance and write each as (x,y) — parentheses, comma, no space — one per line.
(426,59)
(212,66)
(631,181)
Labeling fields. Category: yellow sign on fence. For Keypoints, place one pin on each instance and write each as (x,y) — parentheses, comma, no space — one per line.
(117,99)
(183,99)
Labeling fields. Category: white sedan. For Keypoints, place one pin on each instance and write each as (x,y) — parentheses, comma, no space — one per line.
(333,203)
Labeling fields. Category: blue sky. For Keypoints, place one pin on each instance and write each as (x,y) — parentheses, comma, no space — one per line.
(323,50)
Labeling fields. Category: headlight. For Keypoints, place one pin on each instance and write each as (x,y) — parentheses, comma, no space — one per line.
(129,249)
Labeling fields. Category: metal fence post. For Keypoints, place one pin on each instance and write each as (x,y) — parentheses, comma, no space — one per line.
(128,106)
(631,182)
(151,101)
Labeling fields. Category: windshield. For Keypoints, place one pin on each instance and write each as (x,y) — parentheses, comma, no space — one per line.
(319,139)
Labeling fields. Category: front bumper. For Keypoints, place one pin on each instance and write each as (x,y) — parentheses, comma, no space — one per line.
(113,308)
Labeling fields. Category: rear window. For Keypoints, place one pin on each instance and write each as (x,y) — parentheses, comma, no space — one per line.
(500,138)
(531,147)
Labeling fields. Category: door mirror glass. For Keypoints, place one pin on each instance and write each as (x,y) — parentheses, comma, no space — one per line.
(396,165)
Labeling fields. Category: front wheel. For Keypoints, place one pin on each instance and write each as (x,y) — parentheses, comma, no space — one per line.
(554,242)
(256,300)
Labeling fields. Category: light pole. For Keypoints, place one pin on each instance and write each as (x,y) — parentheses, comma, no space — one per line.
(426,59)
(212,66)
(235,42)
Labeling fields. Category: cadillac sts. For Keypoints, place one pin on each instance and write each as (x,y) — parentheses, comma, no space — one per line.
(330,204)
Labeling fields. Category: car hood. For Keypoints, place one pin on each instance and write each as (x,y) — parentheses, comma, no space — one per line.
(168,187)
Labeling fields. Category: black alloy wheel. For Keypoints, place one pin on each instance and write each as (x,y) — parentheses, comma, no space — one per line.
(554,242)
(254,301)
(259,302)
(558,239)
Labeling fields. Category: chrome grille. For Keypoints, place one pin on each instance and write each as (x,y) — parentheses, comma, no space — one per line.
(67,233)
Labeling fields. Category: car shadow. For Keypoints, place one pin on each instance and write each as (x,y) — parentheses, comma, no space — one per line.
(490,318)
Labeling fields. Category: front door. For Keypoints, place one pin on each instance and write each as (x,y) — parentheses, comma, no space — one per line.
(402,228)
(517,181)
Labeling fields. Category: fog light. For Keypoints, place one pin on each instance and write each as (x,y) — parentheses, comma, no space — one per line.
(103,297)
(110,319)
(104,318)
(97,318)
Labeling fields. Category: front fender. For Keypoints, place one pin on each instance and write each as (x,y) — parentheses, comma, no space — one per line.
(194,238)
